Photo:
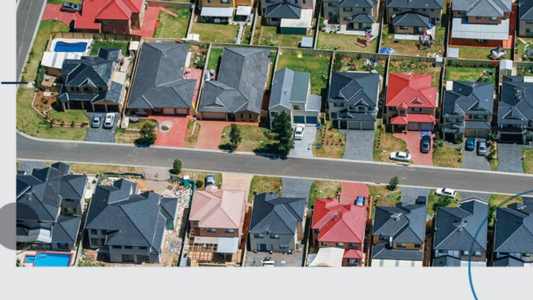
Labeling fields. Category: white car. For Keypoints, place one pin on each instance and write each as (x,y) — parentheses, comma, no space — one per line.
(400,156)
(446,192)
(299,132)
(109,120)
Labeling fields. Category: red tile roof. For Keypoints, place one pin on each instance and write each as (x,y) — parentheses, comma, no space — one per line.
(352,253)
(94,10)
(350,191)
(411,90)
(412,118)
(339,223)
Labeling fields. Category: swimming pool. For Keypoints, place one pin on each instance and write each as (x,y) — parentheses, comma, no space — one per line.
(43,259)
(61,46)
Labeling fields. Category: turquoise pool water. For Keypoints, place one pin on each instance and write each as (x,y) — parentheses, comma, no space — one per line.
(43,259)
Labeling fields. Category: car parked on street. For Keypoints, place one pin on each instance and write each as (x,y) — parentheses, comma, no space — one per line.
(70,7)
(446,192)
(109,120)
(400,156)
(470,144)
(425,144)
(96,121)
(482,148)
(299,132)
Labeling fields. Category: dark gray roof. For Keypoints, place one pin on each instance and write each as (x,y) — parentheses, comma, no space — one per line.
(446,261)
(483,8)
(412,19)
(356,3)
(469,96)
(456,227)
(516,103)
(525,10)
(355,88)
(405,224)
(286,9)
(508,261)
(240,83)
(381,251)
(435,4)
(132,219)
(288,87)
(159,81)
(513,229)
(278,215)
(363,18)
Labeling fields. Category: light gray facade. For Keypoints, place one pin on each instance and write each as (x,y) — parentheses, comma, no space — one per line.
(356,14)
(431,9)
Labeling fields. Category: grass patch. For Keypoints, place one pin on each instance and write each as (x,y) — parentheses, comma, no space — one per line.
(193,129)
(330,141)
(264,184)
(30,122)
(46,28)
(522,45)
(447,155)
(466,52)
(485,74)
(524,69)
(385,143)
(128,136)
(216,33)
(412,48)
(269,36)
(99,44)
(383,196)
(316,63)
(334,41)
(500,201)
(94,169)
(173,26)
(69,116)
(200,176)
(323,189)
(528,161)
(345,62)
(435,202)
(413,65)
(214,58)
(253,137)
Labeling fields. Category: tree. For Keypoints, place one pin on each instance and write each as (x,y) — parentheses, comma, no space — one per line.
(148,135)
(235,137)
(393,183)
(282,128)
(176,166)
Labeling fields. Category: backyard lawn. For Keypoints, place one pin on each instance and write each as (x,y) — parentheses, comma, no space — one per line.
(419,66)
(466,52)
(97,44)
(253,137)
(173,26)
(330,142)
(447,155)
(385,143)
(345,62)
(521,45)
(316,63)
(269,36)
(334,41)
(528,161)
(216,33)
(412,48)
(323,189)
(214,58)
(470,73)
(263,184)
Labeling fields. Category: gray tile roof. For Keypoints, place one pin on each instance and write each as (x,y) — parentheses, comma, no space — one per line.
(434,4)
(513,230)
(483,8)
(159,81)
(278,215)
(355,88)
(355,3)
(285,9)
(240,83)
(363,18)
(289,87)
(469,96)
(133,219)
(412,19)
(525,10)
(516,104)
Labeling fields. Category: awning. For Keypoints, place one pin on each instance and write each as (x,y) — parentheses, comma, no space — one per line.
(497,32)
(224,12)
(328,257)
(243,10)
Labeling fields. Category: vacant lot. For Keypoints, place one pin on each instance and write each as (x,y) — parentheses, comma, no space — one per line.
(316,63)
(334,41)
(216,33)
(173,26)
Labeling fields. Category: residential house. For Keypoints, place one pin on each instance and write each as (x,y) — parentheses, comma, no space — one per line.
(225,11)
(513,235)
(353,99)
(351,15)
(460,234)
(159,86)
(411,102)
(336,225)
(482,20)
(467,110)
(277,223)
(125,226)
(49,207)
(515,110)
(399,233)
(291,93)
(413,16)
(111,16)
(238,91)
(93,83)
(216,225)
(292,16)
(525,18)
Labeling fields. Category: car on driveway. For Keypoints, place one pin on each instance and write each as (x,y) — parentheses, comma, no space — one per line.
(482,147)
(299,132)
(400,156)
(446,192)
(109,120)
(470,144)
(70,7)
(425,144)
(96,121)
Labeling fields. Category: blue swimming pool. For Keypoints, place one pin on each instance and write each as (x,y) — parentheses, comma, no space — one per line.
(43,259)
(70,47)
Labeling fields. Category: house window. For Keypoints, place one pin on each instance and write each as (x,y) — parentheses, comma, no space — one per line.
(128,247)
(224,1)
(340,244)
(116,247)
(274,236)
(259,235)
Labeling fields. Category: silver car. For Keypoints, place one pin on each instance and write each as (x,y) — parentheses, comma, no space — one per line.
(482,148)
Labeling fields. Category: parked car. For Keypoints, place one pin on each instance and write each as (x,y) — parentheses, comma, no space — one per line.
(210,180)
(470,144)
(425,144)
(109,120)
(482,148)
(96,121)
(446,192)
(400,156)
(70,7)
(299,132)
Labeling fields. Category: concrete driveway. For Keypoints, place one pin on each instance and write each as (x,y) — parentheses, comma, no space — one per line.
(473,161)
(101,134)
(359,144)
(409,194)
(294,187)
(304,148)
(510,158)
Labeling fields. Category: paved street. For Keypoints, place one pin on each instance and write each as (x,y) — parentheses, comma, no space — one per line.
(359,144)
(28,16)
(311,168)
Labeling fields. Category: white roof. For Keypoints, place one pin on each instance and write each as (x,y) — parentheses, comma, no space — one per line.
(134,45)
(396,263)
(224,245)
(217,12)
(305,20)
(244,10)
(328,257)
(506,64)
(55,59)
(498,32)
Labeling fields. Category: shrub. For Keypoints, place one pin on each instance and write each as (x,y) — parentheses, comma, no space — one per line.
(176,166)
(199,184)
(393,183)
(148,135)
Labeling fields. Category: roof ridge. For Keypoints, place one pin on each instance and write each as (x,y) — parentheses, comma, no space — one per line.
(135,225)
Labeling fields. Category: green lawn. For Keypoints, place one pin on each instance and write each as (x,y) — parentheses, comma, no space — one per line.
(214,58)
(500,201)
(98,44)
(69,116)
(216,33)
(382,196)
(46,28)
(330,141)
(521,45)
(470,73)
(264,184)
(345,62)
(524,69)
(334,41)
(253,137)
(414,65)
(323,189)
(528,161)
(28,121)
(447,155)
(385,143)
(412,48)
(316,63)
(466,52)
(435,202)
(173,27)
(269,36)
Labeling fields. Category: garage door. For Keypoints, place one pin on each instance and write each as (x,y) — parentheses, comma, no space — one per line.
(355,125)
(511,138)
(299,119)
(312,120)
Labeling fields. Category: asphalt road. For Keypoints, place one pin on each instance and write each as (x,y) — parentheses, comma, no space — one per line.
(28,17)
(470,180)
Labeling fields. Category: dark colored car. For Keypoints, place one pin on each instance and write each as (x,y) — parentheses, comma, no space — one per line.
(425,144)
(470,144)
(70,7)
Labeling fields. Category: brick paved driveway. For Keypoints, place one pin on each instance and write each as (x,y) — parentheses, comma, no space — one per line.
(412,139)
(171,130)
